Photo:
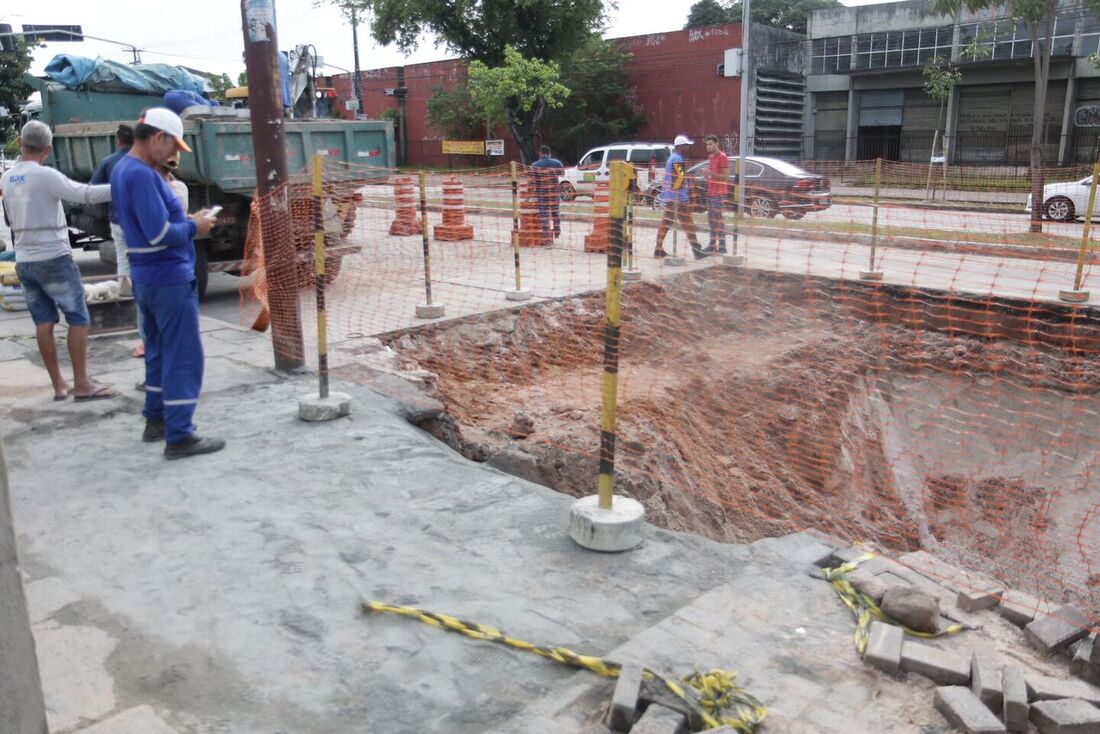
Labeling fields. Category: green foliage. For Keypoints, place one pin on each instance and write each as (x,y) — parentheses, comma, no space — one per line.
(940,76)
(219,85)
(600,106)
(242,79)
(520,83)
(709,12)
(451,113)
(13,90)
(482,29)
(389,114)
(789,14)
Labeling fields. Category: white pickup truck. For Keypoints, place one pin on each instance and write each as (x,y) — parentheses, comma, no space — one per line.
(648,160)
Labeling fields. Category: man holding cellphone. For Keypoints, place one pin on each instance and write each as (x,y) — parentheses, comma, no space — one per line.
(159,238)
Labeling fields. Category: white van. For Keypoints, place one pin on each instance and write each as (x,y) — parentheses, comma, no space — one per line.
(648,160)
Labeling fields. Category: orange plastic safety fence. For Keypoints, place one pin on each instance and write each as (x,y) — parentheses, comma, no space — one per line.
(944,395)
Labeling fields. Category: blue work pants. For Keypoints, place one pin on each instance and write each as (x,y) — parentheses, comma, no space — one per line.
(173,355)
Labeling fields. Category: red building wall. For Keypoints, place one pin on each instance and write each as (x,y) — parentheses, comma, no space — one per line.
(673,77)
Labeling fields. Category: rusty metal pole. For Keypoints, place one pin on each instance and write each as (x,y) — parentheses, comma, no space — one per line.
(269,148)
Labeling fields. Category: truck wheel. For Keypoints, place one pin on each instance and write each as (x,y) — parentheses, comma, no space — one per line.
(202,274)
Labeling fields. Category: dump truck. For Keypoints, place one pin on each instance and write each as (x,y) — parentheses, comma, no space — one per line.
(220,170)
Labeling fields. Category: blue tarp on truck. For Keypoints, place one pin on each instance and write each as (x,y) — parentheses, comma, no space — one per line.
(78,72)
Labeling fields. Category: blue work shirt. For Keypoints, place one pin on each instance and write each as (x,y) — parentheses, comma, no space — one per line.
(158,232)
(675,183)
(102,175)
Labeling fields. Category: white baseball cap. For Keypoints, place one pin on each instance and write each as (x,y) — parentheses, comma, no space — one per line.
(167,121)
(683,140)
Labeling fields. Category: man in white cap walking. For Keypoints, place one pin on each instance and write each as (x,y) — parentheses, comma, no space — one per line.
(675,194)
(159,240)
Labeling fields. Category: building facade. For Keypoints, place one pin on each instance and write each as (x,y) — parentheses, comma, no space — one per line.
(866,87)
(674,78)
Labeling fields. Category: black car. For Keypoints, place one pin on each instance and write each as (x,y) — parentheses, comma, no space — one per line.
(773,187)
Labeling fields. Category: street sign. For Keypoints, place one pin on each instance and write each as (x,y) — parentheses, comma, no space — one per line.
(1088,116)
(52,33)
(351,105)
(494,147)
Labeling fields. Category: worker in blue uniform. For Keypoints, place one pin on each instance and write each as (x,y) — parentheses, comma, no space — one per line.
(159,238)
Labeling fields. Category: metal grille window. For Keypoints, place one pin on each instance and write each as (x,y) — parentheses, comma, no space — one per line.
(895,49)
(993,40)
(831,55)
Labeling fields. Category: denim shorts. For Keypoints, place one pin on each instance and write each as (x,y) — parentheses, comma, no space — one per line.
(52,285)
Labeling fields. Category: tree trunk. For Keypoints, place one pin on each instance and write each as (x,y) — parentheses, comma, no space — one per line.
(1041,57)
(524,124)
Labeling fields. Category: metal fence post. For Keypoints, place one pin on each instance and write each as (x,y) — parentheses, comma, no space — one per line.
(871,273)
(426,310)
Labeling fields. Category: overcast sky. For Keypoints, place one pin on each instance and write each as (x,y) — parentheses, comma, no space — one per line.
(206,34)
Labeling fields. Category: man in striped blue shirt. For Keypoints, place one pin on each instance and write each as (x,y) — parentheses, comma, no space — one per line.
(159,240)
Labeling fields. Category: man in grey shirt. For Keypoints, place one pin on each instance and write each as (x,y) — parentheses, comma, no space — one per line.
(32,196)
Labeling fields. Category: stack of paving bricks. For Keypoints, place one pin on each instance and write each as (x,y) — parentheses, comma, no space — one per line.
(979,694)
(406,222)
(597,239)
(454,227)
(531,233)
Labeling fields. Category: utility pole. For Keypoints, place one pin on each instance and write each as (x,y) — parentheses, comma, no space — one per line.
(746,80)
(355,51)
(402,93)
(269,148)
(22,708)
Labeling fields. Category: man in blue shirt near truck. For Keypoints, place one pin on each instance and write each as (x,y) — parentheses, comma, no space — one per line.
(159,238)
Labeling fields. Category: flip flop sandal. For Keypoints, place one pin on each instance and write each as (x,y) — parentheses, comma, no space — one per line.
(101,393)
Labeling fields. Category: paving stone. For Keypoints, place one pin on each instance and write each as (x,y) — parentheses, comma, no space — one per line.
(624,702)
(985,681)
(1066,716)
(912,608)
(884,647)
(963,709)
(941,666)
(1082,664)
(979,599)
(1058,630)
(1045,688)
(946,575)
(868,583)
(1014,687)
(1021,608)
(660,720)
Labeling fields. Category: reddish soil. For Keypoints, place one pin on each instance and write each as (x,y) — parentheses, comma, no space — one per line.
(748,411)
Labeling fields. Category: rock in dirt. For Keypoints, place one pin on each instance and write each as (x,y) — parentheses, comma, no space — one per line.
(517,463)
(790,413)
(912,608)
(522,425)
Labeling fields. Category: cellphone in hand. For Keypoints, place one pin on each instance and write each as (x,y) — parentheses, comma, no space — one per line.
(214,211)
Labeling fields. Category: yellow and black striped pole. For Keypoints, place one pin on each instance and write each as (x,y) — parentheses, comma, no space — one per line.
(622,173)
(424,238)
(515,224)
(319,270)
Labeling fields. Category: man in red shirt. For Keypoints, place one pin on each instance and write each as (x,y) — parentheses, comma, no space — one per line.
(717,188)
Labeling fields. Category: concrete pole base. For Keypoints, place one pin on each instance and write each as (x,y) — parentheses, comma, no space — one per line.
(314,408)
(522,294)
(870,275)
(673,261)
(631,275)
(429,311)
(1072,296)
(613,530)
(734,261)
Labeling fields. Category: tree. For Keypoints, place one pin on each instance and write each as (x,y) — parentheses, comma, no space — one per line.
(523,88)
(600,107)
(454,113)
(13,90)
(940,77)
(1039,16)
(242,79)
(219,85)
(481,30)
(709,12)
(791,15)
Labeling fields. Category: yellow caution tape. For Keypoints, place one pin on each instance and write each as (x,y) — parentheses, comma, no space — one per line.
(864,608)
(714,696)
